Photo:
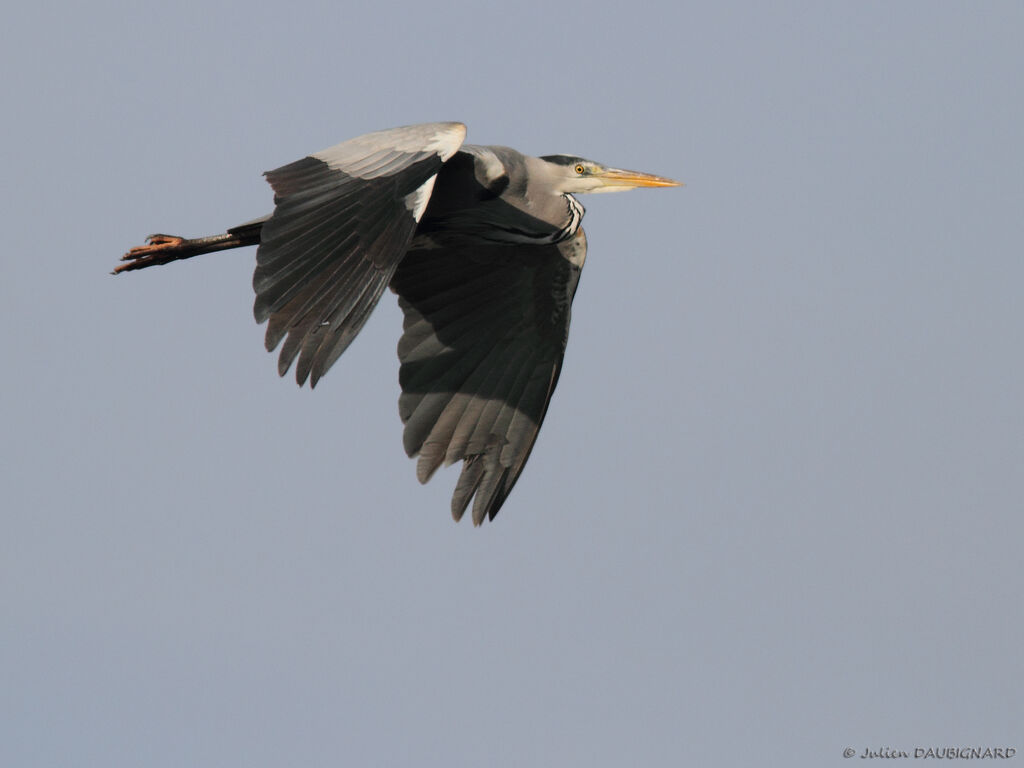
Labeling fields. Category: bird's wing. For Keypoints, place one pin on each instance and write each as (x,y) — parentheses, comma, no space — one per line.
(342,221)
(484,335)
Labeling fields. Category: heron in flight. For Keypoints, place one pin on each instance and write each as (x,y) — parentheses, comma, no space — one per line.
(484,248)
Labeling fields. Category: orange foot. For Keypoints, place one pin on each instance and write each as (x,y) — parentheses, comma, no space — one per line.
(159,249)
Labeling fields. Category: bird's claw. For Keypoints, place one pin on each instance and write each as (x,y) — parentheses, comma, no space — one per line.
(156,251)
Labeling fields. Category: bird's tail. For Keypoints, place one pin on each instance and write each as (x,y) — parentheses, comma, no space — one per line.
(162,249)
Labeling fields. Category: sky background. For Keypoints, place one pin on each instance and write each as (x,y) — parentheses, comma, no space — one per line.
(775,510)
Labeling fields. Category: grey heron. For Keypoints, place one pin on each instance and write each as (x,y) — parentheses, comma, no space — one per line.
(484,248)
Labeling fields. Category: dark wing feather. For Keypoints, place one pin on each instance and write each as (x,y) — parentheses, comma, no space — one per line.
(484,335)
(342,221)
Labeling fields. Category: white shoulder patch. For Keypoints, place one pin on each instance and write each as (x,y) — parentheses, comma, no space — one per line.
(417,201)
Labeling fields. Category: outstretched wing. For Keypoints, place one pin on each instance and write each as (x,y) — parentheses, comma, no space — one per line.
(342,221)
(484,335)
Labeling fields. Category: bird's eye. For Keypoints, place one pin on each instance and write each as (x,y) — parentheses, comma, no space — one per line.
(580,169)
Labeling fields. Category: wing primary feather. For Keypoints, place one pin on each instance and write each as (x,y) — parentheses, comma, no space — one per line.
(483,338)
(343,220)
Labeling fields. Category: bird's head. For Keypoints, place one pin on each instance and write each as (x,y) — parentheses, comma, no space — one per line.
(572,175)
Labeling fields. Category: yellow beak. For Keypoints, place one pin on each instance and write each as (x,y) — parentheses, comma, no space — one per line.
(617,178)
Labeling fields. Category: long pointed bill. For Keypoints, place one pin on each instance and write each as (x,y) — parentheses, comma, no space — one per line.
(614,179)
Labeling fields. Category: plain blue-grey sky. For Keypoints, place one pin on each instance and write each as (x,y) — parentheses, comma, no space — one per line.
(775,510)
